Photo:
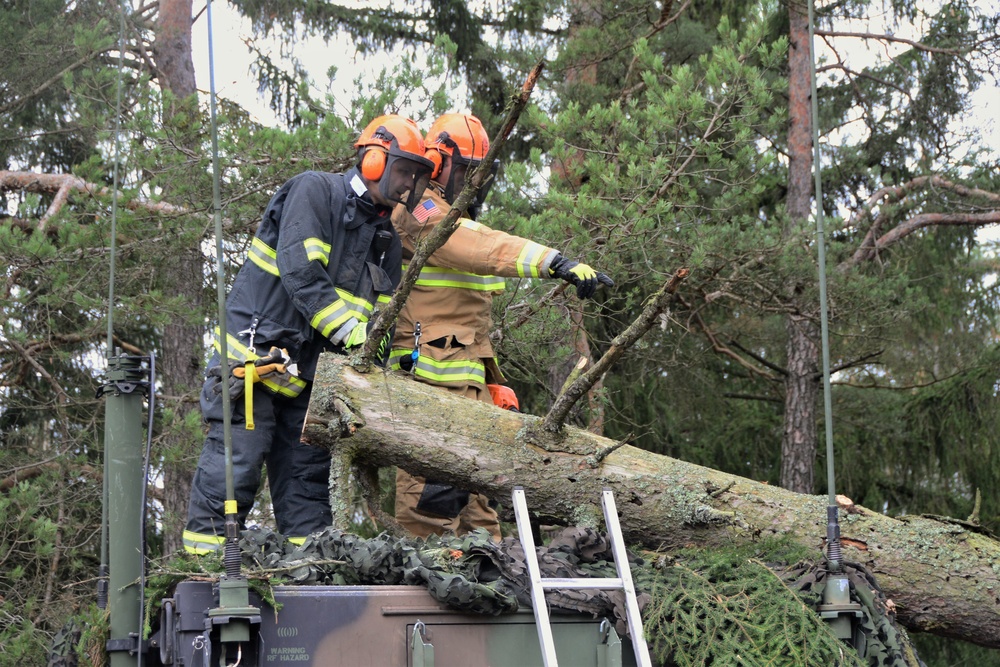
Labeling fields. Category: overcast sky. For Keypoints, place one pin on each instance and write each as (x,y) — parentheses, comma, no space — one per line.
(234,81)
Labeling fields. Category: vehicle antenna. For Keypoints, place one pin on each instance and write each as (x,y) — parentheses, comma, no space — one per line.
(234,614)
(837,607)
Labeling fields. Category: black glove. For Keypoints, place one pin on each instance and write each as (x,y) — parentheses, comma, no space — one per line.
(585,278)
(235,383)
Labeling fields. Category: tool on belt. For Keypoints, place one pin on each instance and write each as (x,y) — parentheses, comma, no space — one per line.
(416,347)
(276,363)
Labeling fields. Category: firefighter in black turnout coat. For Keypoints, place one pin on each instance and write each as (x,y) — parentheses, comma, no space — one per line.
(324,258)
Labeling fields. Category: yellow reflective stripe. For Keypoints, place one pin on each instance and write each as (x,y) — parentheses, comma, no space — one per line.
(469,224)
(317,250)
(237,350)
(383,299)
(299,541)
(436,276)
(263,256)
(288,385)
(363,306)
(395,355)
(292,389)
(331,317)
(201,544)
(531,259)
(450,371)
(347,306)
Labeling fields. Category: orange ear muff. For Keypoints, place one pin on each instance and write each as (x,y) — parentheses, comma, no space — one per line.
(434,156)
(373,164)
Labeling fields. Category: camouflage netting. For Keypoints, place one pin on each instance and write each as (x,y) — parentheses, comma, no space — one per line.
(719,607)
(470,573)
(882,643)
(736,606)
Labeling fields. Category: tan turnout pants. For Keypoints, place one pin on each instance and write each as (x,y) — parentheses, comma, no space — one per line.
(476,513)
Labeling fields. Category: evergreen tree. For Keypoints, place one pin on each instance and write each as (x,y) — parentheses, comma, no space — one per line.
(668,129)
(659,139)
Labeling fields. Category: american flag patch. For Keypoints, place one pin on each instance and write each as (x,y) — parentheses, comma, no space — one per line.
(425,210)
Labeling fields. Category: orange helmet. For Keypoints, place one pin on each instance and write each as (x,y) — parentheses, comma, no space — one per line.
(461,132)
(462,138)
(391,152)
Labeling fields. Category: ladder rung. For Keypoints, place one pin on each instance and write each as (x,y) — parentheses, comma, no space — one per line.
(600,584)
(540,584)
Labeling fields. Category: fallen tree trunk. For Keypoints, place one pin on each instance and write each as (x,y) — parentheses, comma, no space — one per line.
(942,575)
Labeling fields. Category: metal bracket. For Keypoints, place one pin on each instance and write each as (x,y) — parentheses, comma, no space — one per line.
(124,376)
(423,650)
(132,645)
(609,651)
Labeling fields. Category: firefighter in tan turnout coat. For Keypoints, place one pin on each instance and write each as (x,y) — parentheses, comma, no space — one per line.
(442,334)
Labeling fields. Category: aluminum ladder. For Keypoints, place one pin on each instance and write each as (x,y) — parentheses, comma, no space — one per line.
(539,585)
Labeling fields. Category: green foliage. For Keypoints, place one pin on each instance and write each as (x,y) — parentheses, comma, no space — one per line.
(727,607)
(45,533)
(648,147)
(39,39)
(936,651)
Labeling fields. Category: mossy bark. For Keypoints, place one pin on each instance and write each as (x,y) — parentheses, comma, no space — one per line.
(942,577)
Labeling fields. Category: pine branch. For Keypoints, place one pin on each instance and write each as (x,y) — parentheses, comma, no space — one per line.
(45,85)
(874,241)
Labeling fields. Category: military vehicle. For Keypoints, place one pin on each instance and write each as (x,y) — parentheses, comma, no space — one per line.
(222,622)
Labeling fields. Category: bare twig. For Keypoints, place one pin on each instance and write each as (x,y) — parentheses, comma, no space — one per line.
(530,310)
(595,460)
(555,418)
(665,20)
(725,351)
(42,87)
(60,394)
(920,46)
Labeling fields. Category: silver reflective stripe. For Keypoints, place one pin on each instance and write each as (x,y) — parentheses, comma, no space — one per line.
(316,250)
(532,258)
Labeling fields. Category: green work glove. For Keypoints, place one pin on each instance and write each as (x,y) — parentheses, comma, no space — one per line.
(353,333)
(358,336)
(585,278)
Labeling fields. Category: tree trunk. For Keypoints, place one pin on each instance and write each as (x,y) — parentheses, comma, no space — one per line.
(798,443)
(941,575)
(183,340)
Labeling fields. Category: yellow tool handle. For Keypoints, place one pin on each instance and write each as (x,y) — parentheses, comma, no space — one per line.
(248,370)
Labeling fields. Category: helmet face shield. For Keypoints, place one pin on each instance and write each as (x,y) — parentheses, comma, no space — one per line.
(460,170)
(405,178)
